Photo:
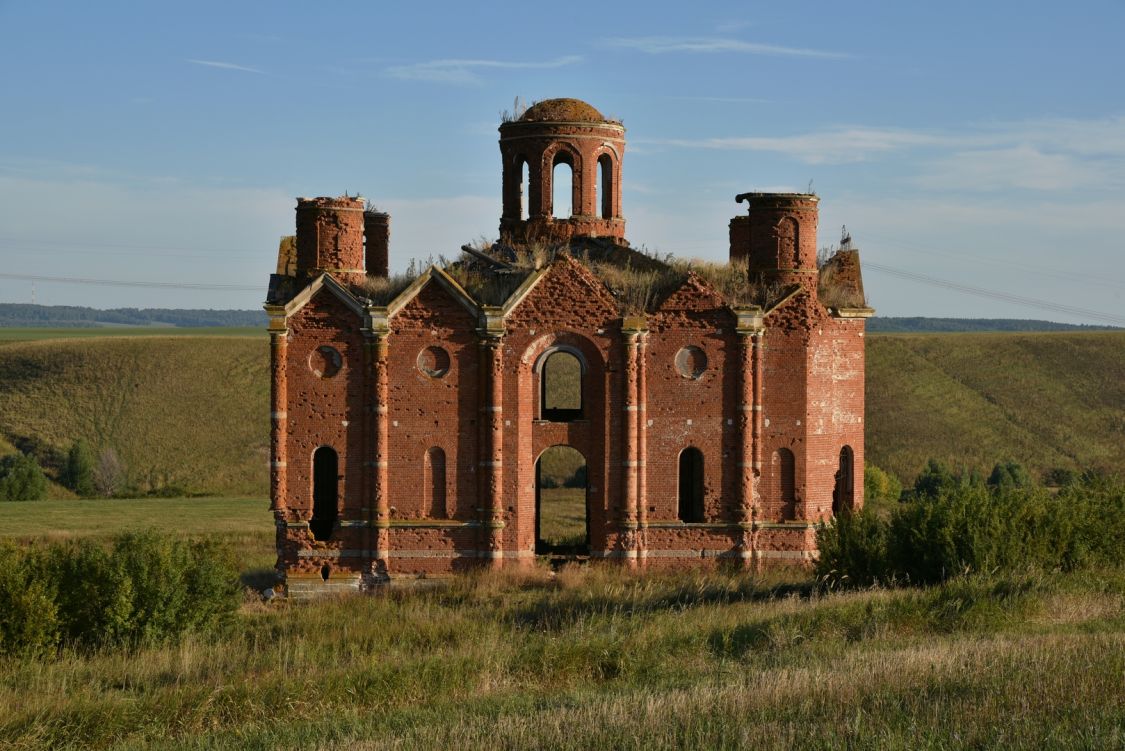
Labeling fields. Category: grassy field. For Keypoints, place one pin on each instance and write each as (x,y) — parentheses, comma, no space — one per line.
(562,516)
(599,658)
(35,333)
(193,411)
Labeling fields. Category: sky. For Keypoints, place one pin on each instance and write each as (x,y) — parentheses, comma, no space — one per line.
(975,151)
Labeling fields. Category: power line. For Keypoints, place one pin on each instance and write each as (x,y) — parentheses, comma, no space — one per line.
(994,295)
(124,283)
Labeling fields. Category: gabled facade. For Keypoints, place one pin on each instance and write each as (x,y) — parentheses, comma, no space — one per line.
(407,436)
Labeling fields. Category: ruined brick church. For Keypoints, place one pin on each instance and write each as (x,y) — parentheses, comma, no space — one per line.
(718,407)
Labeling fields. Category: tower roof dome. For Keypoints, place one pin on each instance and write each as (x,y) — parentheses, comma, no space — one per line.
(561,110)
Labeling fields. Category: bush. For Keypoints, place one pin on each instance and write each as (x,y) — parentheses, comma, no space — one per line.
(977,529)
(21,479)
(1010,475)
(78,472)
(28,615)
(146,588)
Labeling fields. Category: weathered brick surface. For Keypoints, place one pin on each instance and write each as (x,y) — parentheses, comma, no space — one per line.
(434,408)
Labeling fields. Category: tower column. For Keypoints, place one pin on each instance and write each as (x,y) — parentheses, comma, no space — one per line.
(279,423)
(492,441)
(628,512)
(380,455)
(642,448)
(749,330)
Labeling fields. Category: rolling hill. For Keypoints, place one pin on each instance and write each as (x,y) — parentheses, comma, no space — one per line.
(192,411)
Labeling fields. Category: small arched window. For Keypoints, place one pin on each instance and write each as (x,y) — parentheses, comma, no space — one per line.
(784,483)
(561,387)
(326,500)
(843,496)
(605,173)
(525,186)
(433,484)
(562,186)
(691,486)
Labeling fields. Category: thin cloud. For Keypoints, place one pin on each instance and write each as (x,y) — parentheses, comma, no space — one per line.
(839,146)
(459,71)
(225,66)
(712,45)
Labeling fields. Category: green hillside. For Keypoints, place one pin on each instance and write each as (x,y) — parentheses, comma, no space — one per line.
(193,412)
(1045,400)
(180,412)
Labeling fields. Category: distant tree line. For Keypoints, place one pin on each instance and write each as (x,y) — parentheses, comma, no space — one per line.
(892,325)
(13,315)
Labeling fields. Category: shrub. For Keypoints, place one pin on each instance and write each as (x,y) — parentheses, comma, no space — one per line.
(28,615)
(21,479)
(78,472)
(145,588)
(1009,475)
(974,528)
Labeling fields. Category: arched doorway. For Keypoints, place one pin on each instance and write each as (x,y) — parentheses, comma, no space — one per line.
(562,513)
(326,494)
(691,486)
(843,495)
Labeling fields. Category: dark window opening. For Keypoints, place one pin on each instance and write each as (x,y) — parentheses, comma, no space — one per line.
(691,486)
(434,484)
(784,467)
(562,186)
(325,571)
(562,514)
(605,167)
(843,497)
(561,381)
(326,480)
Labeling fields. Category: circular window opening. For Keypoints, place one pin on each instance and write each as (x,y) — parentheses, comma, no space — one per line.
(433,361)
(691,362)
(325,361)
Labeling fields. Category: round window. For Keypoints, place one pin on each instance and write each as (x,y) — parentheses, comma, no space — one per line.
(325,361)
(433,361)
(691,362)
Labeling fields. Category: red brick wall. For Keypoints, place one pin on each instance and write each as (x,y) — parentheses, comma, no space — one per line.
(325,412)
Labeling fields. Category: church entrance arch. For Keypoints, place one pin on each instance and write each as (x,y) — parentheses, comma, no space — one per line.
(562,507)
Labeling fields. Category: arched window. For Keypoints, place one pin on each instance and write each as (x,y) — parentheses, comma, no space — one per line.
(562,515)
(691,485)
(562,186)
(433,484)
(843,496)
(525,186)
(784,485)
(326,501)
(561,387)
(605,173)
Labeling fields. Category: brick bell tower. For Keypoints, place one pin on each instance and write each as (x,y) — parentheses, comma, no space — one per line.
(776,238)
(562,132)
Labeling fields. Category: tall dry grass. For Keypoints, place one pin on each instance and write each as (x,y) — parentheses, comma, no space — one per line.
(604,658)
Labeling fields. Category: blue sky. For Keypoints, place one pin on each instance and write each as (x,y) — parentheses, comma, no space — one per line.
(979,144)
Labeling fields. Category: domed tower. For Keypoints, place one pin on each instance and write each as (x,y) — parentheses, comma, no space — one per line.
(776,238)
(562,133)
